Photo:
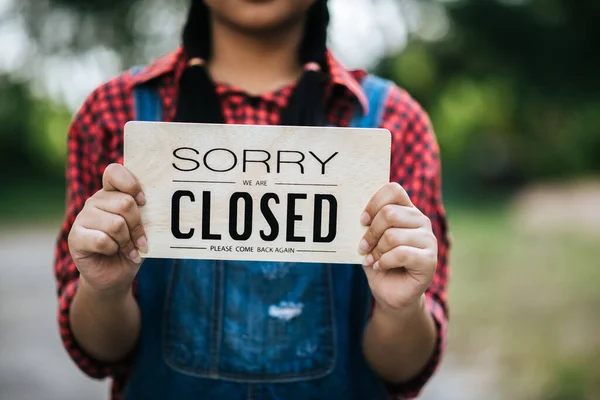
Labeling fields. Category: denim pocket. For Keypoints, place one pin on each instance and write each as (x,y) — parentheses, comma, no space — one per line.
(250,322)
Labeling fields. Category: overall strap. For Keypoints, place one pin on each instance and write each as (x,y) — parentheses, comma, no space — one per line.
(376,89)
(148,106)
(146,101)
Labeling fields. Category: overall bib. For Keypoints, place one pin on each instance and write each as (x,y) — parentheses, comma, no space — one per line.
(253,330)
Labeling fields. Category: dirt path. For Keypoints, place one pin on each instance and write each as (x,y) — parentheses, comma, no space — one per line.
(33,364)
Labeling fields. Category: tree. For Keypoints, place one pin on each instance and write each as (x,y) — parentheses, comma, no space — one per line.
(32,137)
(512,88)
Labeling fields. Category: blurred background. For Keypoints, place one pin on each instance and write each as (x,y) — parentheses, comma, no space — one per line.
(512,88)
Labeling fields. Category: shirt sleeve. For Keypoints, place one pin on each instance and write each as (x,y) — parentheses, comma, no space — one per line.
(416,165)
(83,181)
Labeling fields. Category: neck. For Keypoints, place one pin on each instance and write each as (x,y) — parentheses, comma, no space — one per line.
(256,63)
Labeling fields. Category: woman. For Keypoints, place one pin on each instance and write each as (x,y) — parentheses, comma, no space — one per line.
(171,329)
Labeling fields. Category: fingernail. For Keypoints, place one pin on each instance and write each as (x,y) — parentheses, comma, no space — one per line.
(376,266)
(364,246)
(134,256)
(142,244)
(365,218)
(140,198)
(368,260)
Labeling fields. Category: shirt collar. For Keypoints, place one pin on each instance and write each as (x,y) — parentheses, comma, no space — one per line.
(170,63)
(341,76)
(175,62)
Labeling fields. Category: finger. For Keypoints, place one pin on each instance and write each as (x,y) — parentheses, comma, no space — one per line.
(415,260)
(391,193)
(395,237)
(92,241)
(118,178)
(390,216)
(115,226)
(125,206)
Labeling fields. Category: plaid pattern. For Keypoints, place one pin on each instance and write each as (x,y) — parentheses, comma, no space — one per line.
(96,139)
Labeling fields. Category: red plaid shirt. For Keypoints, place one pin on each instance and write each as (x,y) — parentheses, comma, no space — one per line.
(96,140)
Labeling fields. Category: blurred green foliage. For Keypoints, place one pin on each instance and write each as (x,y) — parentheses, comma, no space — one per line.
(513,89)
(32,134)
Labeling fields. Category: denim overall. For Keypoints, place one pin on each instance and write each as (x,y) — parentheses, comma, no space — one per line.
(253,330)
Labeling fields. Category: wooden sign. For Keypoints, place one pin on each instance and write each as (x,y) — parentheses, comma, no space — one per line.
(256,193)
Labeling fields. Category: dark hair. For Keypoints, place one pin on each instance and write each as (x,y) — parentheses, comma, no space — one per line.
(198,100)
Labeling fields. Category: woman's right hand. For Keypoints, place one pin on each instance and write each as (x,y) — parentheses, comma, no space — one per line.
(107,235)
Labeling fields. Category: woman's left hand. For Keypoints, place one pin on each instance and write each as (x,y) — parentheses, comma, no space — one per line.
(400,249)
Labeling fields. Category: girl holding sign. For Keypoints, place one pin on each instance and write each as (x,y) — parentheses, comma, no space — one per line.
(198,329)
